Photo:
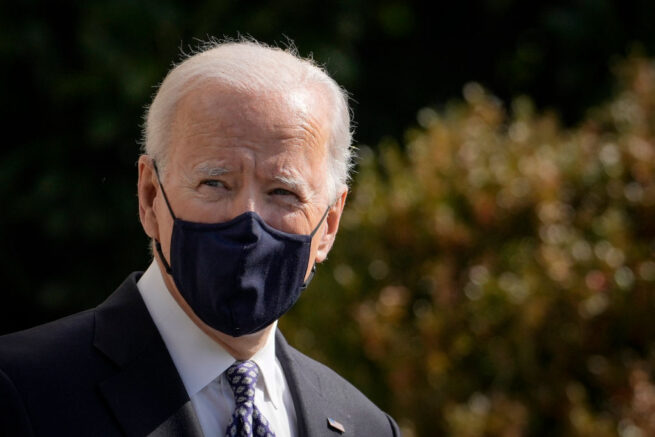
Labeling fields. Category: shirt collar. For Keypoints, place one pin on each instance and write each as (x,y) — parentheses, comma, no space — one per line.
(198,359)
(267,363)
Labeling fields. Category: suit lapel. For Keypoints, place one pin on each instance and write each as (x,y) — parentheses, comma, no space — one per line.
(316,415)
(146,394)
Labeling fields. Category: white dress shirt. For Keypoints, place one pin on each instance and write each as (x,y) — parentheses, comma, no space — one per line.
(201,363)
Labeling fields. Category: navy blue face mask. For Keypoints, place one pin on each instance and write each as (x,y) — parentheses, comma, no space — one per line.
(237,276)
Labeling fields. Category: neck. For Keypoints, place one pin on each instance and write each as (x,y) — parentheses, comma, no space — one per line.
(241,348)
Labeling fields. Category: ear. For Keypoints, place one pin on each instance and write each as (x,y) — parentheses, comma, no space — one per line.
(326,238)
(147,192)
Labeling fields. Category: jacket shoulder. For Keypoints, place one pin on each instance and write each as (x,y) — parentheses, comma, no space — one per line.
(328,381)
(42,346)
(337,391)
(61,344)
(50,374)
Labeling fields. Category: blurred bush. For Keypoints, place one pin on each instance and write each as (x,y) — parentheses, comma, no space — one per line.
(494,277)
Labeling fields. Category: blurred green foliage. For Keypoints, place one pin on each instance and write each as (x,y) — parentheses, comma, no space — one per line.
(495,276)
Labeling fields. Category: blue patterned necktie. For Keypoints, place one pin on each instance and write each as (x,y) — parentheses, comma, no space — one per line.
(247,420)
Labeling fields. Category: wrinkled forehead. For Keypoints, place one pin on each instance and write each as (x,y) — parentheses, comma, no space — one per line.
(232,112)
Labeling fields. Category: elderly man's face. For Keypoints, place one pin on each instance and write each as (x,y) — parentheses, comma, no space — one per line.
(232,152)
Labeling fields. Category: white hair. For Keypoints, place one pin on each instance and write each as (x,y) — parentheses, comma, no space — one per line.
(248,65)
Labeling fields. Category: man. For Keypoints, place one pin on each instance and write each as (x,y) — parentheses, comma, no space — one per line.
(241,188)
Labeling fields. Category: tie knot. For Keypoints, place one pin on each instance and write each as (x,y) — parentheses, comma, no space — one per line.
(242,376)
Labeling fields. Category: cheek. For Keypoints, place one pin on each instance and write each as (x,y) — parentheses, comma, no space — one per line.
(290,222)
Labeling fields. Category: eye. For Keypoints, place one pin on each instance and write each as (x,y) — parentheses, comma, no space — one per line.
(213,183)
(282,192)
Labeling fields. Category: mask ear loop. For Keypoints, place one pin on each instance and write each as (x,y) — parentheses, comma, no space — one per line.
(320,222)
(167,266)
(168,204)
(305,284)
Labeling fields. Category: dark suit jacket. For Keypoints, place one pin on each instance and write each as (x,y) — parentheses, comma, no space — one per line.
(107,372)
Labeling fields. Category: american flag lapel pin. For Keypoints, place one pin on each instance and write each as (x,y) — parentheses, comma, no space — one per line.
(335,426)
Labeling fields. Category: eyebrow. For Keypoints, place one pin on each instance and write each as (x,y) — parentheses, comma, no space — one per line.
(293,183)
(206,170)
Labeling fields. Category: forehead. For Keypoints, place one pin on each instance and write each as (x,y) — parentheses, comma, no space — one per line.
(217,116)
